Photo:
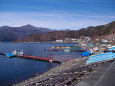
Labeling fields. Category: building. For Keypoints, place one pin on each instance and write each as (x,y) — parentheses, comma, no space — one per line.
(104,40)
(67,40)
(73,40)
(59,41)
(88,39)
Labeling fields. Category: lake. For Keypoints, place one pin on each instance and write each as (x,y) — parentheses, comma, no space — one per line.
(14,70)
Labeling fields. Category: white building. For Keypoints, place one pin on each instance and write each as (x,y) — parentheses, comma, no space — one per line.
(87,38)
(104,40)
(59,41)
(73,40)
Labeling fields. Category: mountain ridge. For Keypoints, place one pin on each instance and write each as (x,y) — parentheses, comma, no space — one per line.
(91,31)
(30,33)
(8,33)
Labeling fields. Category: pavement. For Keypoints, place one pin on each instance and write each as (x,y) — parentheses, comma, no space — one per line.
(108,78)
(104,75)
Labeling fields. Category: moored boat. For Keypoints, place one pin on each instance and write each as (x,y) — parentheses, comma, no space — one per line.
(9,55)
(18,53)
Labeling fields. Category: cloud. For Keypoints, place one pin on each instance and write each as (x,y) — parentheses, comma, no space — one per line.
(53,20)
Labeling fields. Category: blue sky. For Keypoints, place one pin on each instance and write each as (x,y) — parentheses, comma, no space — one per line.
(57,14)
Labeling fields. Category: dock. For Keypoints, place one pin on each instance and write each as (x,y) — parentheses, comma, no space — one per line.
(43,58)
(2,53)
(64,50)
(40,58)
(70,50)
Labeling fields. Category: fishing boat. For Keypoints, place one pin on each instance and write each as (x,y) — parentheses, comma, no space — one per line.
(18,53)
(9,55)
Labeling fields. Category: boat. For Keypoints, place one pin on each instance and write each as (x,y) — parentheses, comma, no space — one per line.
(21,53)
(18,53)
(9,55)
(67,50)
(86,53)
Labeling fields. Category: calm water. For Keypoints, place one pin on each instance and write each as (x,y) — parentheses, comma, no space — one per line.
(13,70)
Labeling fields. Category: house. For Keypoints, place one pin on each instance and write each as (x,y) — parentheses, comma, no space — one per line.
(59,41)
(104,40)
(67,40)
(87,39)
(97,39)
(73,40)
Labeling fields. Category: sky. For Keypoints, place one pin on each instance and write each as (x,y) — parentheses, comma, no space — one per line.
(57,14)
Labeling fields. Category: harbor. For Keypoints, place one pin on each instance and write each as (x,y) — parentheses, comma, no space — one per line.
(69,70)
(57,43)
(24,68)
(49,54)
(49,58)
(71,73)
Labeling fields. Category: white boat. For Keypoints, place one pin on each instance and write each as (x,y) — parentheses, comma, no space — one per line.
(18,53)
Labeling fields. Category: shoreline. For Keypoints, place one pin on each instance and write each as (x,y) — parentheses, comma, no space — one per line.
(41,42)
(61,68)
(60,72)
(38,42)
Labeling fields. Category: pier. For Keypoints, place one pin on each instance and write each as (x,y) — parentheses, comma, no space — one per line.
(66,48)
(2,53)
(40,58)
(70,50)
(43,58)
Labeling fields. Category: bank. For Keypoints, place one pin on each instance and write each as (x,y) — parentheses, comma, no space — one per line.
(68,73)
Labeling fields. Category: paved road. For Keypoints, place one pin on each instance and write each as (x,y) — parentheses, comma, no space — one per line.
(104,75)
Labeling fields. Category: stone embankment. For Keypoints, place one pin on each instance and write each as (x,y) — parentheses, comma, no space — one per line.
(66,73)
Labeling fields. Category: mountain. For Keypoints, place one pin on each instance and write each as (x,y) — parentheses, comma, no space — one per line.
(8,33)
(29,33)
(50,36)
(97,31)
